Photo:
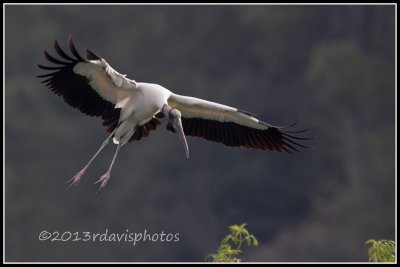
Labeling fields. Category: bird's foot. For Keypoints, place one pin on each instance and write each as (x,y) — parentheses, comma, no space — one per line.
(104,180)
(75,180)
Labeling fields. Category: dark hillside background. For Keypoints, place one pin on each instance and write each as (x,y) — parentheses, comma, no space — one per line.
(331,68)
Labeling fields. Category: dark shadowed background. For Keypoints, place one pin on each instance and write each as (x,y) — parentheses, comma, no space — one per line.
(331,68)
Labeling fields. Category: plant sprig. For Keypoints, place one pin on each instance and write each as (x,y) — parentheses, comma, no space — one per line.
(382,250)
(238,235)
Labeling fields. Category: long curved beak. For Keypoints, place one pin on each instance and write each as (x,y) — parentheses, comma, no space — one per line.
(174,117)
(177,124)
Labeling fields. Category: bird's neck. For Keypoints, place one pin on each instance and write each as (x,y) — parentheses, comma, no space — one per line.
(165,110)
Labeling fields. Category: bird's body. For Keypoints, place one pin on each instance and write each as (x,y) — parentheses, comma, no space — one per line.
(130,109)
(140,107)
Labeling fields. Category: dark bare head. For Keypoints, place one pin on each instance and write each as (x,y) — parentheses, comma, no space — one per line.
(174,117)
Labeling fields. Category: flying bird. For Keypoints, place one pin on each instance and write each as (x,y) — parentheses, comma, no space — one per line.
(130,110)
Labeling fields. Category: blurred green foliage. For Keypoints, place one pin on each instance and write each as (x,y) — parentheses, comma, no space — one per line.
(235,238)
(382,250)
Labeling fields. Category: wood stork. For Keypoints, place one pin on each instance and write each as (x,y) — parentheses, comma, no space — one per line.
(131,110)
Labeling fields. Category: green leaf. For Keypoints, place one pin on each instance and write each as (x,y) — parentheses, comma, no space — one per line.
(226,239)
(235,240)
(370,241)
(248,241)
(255,242)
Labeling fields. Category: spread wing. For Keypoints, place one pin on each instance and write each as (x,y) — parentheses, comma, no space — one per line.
(231,126)
(91,85)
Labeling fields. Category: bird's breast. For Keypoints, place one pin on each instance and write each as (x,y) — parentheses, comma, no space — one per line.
(146,100)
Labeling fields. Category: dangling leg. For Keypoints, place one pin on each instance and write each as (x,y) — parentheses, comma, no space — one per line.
(75,180)
(105,177)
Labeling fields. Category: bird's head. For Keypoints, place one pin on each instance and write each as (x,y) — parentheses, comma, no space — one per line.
(174,117)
